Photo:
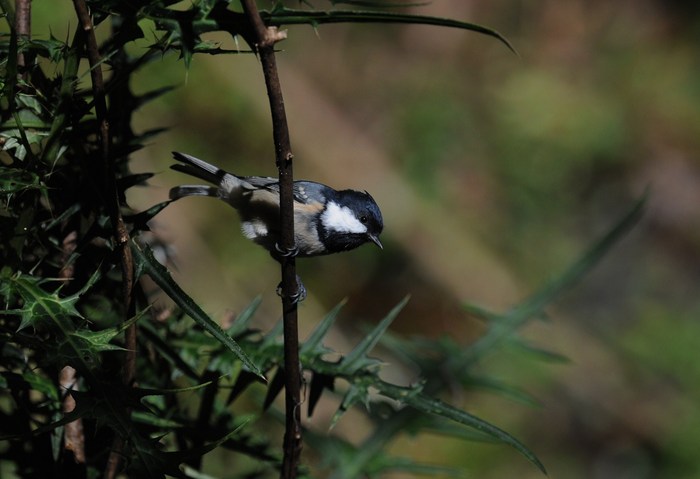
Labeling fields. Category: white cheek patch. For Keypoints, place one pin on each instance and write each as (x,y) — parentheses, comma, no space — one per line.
(254,229)
(341,219)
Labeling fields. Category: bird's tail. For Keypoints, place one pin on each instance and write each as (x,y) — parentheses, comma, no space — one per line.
(193,190)
(199,169)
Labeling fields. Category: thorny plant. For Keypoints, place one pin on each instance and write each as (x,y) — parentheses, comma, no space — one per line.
(91,381)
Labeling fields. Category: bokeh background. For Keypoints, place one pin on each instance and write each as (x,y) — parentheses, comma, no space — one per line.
(494,171)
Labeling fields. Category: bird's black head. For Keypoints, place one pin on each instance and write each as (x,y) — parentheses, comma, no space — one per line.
(350,219)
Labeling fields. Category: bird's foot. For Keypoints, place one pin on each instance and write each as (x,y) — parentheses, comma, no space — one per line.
(297,297)
(286,253)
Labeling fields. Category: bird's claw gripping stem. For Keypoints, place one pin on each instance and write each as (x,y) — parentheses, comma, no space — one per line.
(297,297)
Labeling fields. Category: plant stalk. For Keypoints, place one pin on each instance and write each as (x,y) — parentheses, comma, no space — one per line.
(23,27)
(120,232)
(265,39)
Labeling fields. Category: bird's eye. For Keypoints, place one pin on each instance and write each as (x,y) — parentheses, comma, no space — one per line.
(363,219)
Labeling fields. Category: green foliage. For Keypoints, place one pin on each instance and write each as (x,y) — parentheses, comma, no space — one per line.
(146,263)
(62,288)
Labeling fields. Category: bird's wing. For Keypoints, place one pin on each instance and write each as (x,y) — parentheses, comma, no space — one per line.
(304,191)
(263,182)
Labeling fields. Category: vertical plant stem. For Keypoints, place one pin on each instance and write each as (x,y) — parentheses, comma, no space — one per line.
(73,431)
(23,27)
(74,437)
(265,39)
(121,235)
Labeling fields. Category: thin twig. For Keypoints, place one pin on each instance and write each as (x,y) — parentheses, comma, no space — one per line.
(121,235)
(74,437)
(23,27)
(265,41)
(73,431)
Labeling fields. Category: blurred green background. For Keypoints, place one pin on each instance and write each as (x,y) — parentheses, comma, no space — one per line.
(493,172)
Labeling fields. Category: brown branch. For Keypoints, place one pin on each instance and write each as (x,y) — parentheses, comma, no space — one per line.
(74,437)
(121,235)
(23,27)
(264,45)
(73,431)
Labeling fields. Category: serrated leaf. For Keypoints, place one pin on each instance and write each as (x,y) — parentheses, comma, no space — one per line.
(43,308)
(480,312)
(319,382)
(357,393)
(129,181)
(211,49)
(281,15)
(275,387)
(155,421)
(69,79)
(11,76)
(357,359)
(30,381)
(93,342)
(243,380)
(67,213)
(167,351)
(14,180)
(74,415)
(145,262)
(312,344)
(503,389)
(538,352)
(52,48)
(272,338)
(146,392)
(87,405)
(152,461)
(188,37)
(535,304)
(240,324)
(140,220)
(438,407)
(29,103)
(445,427)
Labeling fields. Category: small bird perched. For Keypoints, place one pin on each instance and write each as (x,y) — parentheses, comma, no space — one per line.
(326,221)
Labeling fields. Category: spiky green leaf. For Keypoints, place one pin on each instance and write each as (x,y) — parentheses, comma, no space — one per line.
(281,15)
(312,346)
(357,358)
(429,405)
(145,262)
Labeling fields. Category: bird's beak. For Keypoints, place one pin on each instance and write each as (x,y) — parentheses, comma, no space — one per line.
(375,239)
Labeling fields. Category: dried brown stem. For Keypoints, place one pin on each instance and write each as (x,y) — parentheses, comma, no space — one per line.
(265,39)
(121,235)
(23,27)
(73,431)
(74,437)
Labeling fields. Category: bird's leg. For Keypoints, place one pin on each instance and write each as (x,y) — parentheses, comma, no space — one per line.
(279,254)
(297,297)
(284,252)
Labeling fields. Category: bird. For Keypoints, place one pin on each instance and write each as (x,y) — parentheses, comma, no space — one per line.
(326,220)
